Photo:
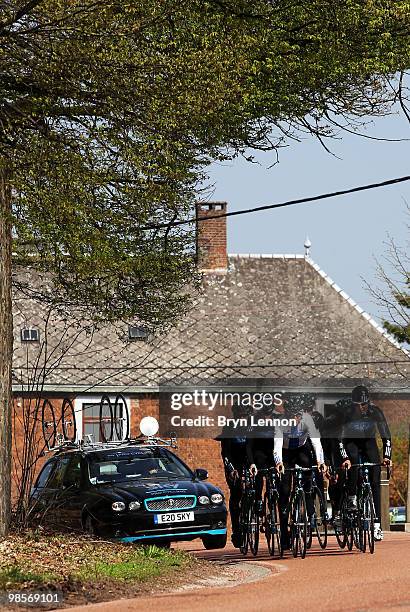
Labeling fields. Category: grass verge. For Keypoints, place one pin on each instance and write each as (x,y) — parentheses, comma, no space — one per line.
(81,564)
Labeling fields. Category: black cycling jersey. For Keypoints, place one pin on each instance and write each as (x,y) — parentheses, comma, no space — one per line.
(355,424)
(233,451)
(318,419)
(364,425)
(259,446)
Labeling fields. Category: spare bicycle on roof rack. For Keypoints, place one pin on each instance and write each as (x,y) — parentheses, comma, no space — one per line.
(59,425)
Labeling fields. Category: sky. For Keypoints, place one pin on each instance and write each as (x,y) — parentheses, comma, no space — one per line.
(348,233)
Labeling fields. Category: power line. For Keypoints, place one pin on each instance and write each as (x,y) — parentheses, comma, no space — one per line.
(322,196)
(223,367)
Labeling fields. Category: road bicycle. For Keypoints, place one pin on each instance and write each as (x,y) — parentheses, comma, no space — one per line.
(365,506)
(297,513)
(64,428)
(345,522)
(249,516)
(271,512)
(319,520)
(114,419)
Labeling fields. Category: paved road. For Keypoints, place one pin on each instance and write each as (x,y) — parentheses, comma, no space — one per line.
(331,580)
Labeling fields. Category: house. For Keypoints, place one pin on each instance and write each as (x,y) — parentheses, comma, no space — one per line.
(277,320)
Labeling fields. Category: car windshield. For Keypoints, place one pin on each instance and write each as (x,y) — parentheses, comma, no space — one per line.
(135,463)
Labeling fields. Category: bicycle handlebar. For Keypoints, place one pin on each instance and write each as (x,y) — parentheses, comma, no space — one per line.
(367,464)
(300,469)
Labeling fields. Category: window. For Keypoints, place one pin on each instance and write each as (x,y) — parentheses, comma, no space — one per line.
(72,476)
(139,463)
(91,420)
(56,480)
(44,475)
(30,334)
(137,332)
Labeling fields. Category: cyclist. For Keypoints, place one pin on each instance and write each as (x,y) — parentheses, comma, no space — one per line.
(361,421)
(336,456)
(308,402)
(233,451)
(292,448)
(259,450)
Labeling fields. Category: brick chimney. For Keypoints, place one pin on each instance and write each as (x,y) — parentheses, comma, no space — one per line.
(211,237)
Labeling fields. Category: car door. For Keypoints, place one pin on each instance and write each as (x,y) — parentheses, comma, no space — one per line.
(54,513)
(39,498)
(71,496)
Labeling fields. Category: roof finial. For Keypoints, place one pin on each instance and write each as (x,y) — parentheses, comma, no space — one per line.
(307,246)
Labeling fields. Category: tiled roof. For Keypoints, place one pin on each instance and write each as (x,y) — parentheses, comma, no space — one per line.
(271,317)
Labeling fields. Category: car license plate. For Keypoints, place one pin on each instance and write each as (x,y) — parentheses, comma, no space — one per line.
(174,517)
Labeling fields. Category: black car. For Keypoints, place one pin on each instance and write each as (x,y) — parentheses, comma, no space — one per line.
(132,493)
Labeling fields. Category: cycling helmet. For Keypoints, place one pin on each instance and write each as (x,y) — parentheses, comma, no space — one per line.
(308,401)
(360,395)
(293,405)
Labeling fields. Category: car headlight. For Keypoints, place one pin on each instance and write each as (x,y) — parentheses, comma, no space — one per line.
(118,506)
(204,500)
(135,505)
(217,498)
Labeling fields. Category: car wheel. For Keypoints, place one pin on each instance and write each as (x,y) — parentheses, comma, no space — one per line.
(214,541)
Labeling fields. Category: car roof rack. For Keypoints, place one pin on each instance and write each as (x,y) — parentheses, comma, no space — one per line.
(87,443)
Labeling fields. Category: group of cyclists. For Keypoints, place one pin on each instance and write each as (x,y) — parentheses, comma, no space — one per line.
(336,444)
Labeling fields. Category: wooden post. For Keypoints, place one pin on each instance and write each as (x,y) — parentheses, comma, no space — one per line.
(384,501)
(408,483)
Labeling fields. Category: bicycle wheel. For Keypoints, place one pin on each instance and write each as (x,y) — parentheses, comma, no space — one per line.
(267,522)
(276,542)
(340,523)
(362,534)
(253,528)
(106,419)
(361,522)
(294,539)
(368,518)
(121,418)
(299,526)
(356,533)
(309,535)
(320,518)
(48,424)
(341,537)
(349,536)
(243,525)
(68,420)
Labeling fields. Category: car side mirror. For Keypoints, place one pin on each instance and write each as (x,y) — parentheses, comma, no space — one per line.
(201,474)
